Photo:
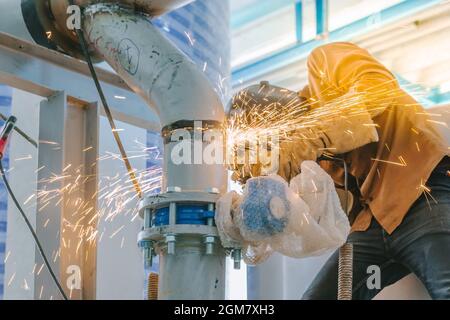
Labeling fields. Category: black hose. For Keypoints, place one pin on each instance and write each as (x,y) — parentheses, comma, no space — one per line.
(84,48)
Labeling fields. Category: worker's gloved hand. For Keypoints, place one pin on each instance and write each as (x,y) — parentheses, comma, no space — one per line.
(252,112)
(243,172)
(334,130)
(293,153)
(227,210)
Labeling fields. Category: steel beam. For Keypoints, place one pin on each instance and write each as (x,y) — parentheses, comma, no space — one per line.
(68,151)
(44,72)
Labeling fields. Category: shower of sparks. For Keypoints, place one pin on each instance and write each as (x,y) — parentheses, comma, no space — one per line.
(115,197)
(11,279)
(7,256)
(40,269)
(426,191)
(291,121)
(191,40)
(29,157)
(25,285)
(116,232)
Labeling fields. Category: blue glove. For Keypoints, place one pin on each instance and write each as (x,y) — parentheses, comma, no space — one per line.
(265,206)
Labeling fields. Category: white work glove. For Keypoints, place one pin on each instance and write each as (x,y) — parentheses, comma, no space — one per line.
(336,134)
(227,208)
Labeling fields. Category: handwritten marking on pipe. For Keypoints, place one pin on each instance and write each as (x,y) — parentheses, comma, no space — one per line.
(129,55)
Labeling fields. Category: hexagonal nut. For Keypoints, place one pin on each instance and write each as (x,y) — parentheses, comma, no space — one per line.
(145,244)
(210,239)
(171,238)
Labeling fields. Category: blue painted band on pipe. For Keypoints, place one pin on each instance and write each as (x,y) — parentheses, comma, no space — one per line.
(186,214)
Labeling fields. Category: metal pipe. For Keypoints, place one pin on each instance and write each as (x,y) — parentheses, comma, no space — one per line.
(151,65)
(152,8)
(190,273)
(183,98)
(45,21)
(164,77)
(167,80)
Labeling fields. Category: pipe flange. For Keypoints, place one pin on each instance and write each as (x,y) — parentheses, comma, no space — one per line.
(163,200)
(158,234)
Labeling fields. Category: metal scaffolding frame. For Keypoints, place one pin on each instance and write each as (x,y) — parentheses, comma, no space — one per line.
(69,116)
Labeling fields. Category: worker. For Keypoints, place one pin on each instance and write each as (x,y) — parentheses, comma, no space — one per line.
(398,169)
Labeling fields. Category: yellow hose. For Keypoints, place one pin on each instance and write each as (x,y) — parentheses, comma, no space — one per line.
(152,290)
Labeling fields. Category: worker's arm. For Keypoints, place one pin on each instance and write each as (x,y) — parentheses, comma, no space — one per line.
(347,88)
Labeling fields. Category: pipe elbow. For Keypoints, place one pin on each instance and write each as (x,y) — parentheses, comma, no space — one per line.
(152,66)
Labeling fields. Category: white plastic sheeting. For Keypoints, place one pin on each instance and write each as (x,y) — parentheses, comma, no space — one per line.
(298,220)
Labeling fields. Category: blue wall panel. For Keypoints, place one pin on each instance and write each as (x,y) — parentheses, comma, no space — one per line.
(5,108)
(202,31)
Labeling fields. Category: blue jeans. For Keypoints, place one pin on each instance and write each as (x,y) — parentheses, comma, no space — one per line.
(420,245)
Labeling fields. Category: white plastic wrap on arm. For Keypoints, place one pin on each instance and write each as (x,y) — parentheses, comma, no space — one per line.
(300,220)
(226,208)
(317,189)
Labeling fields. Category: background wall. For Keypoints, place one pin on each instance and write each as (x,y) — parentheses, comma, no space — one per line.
(120,273)
(20,248)
(5,107)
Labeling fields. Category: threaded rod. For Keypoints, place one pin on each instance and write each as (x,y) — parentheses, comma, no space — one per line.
(345,272)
